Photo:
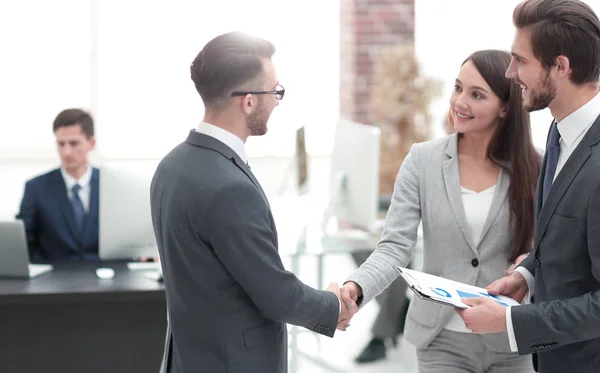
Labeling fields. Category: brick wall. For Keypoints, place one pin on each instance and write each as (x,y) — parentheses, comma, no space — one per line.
(366,26)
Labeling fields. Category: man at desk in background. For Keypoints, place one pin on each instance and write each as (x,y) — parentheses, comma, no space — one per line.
(60,208)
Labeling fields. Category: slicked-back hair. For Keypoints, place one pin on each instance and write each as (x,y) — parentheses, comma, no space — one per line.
(228,62)
(563,27)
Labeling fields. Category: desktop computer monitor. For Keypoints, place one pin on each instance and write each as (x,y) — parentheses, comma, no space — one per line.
(355,175)
(126,230)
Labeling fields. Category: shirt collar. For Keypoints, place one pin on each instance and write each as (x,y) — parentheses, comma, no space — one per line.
(83,181)
(226,137)
(571,127)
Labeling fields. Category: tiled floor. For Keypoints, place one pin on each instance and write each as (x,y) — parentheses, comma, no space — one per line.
(341,350)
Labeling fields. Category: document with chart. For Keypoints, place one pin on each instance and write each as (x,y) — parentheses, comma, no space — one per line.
(448,292)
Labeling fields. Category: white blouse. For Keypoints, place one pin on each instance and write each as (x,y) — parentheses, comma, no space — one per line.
(477,207)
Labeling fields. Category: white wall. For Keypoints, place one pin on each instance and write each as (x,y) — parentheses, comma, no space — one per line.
(446,32)
(128,63)
(45,67)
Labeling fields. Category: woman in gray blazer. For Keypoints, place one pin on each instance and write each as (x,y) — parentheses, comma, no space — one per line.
(473,191)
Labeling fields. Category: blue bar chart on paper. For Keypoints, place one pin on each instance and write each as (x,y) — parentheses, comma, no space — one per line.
(441,290)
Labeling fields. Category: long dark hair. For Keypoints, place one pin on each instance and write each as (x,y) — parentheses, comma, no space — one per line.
(511,146)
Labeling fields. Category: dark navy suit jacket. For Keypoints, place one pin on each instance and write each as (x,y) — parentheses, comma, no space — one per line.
(52,232)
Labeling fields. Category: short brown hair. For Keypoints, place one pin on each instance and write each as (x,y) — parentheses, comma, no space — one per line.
(227,62)
(563,27)
(71,117)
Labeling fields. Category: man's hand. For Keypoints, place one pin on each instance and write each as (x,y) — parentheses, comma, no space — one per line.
(485,315)
(514,286)
(351,292)
(518,261)
(348,310)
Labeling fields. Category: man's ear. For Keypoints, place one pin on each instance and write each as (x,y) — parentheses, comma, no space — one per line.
(248,104)
(563,66)
(92,141)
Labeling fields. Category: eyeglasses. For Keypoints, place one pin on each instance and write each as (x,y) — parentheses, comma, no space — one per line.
(278,92)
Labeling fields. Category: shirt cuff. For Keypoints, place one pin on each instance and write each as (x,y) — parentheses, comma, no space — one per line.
(528,278)
(512,340)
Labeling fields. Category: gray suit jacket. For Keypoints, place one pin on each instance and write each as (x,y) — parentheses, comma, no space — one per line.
(228,294)
(563,326)
(427,189)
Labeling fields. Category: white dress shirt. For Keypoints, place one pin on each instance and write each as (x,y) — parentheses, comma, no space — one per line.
(235,143)
(477,207)
(572,129)
(84,183)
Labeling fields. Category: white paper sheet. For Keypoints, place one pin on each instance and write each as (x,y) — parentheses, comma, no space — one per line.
(448,292)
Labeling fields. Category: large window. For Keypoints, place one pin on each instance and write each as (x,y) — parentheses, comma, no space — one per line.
(46,66)
(128,62)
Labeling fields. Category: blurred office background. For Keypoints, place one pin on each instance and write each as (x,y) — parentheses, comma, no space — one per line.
(127,62)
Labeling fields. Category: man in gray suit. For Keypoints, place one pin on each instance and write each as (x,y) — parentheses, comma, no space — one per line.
(556,60)
(228,294)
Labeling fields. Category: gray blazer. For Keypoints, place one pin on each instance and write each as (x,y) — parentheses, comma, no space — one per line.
(427,189)
(563,326)
(228,294)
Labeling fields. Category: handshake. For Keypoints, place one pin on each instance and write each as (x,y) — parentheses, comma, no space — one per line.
(348,295)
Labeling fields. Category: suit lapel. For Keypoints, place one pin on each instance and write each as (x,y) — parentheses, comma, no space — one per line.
(537,203)
(93,206)
(205,141)
(497,202)
(452,183)
(538,190)
(65,207)
(242,166)
(564,179)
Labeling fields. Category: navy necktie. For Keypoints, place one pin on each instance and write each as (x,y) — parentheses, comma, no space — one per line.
(552,153)
(77,206)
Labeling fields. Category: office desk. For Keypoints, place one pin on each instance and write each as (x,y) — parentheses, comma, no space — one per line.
(71,321)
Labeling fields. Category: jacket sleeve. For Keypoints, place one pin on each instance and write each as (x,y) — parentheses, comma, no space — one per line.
(29,213)
(399,236)
(528,263)
(241,234)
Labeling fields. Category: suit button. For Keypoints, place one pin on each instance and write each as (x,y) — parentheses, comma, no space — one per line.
(536,262)
(547,346)
(475,262)
(534,348)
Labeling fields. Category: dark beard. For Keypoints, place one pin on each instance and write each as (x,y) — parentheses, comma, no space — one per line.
(257,121)
(541,100)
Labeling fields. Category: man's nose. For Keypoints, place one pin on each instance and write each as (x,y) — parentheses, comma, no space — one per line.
(510,71)
(67,150)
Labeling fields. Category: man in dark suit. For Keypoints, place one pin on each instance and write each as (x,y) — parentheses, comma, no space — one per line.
(228,294)
(556,60)
(60,208)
